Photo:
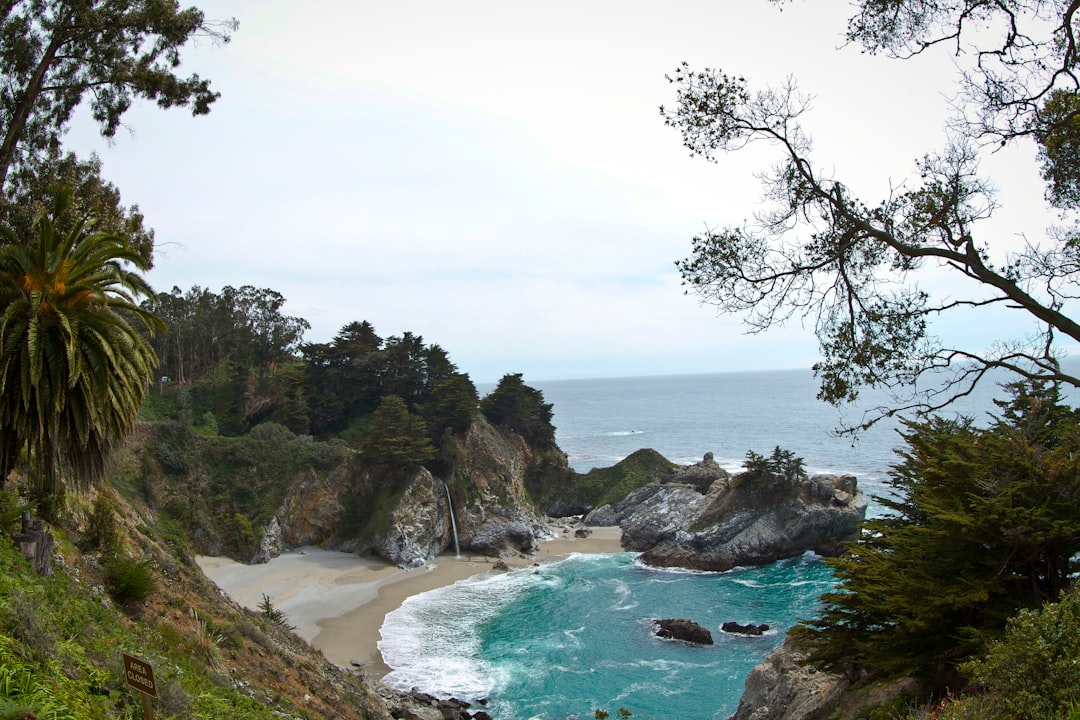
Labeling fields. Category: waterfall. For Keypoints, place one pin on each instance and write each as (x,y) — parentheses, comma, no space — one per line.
(453,522)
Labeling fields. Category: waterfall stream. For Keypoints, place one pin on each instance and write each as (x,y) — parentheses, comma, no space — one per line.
(453,522)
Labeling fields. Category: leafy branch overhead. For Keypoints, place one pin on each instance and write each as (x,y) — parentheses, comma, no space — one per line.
(853,268)
(56,54)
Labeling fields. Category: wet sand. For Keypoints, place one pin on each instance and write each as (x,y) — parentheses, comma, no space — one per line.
(338,601)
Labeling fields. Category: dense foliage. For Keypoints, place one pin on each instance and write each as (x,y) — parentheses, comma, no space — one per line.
(515,406)
(1031,673)
(348,378)
(397,437)
(856,269)
(74,368)
(207,331)
(984,522)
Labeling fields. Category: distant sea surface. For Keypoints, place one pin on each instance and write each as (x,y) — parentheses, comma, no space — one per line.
(562,640)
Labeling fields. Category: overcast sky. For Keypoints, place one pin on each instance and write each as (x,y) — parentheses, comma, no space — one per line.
(494,175)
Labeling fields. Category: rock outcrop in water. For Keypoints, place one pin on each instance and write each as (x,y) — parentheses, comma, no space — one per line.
(750,519)
(735,628)
(683,629)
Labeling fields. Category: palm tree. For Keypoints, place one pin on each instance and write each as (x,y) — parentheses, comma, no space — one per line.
(73,368)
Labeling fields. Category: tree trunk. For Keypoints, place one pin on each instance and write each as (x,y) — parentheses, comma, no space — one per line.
(30,93)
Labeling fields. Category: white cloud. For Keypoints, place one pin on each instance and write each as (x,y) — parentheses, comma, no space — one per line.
(496,176)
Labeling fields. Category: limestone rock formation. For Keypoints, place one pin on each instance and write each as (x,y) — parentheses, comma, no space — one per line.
(270,545)
(418,527)
(313,510)
(746,520)
(683,629)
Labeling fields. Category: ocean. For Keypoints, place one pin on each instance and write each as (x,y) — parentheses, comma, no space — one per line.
(561,641)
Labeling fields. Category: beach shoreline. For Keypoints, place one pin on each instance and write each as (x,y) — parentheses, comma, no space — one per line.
(337,601)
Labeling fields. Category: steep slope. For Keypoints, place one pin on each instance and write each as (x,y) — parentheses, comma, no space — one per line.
(62,637)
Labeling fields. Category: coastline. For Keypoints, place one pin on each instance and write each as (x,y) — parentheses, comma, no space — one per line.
(338,601)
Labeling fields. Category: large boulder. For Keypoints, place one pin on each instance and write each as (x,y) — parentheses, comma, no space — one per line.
(746,520)
(497,535)
(419,526)
(683,629)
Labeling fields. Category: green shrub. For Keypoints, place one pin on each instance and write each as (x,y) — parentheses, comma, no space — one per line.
(130,580)
(11,508)
(205,641)
(1032,672)
(14,710)
(102,529)
(272,614)
(24,617)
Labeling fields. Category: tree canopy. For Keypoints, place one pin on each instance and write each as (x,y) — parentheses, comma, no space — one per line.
(397,438)
(515,406)
(852,268)
(55,53)
(242,325)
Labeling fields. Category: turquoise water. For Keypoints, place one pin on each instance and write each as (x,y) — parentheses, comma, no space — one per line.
(560,640)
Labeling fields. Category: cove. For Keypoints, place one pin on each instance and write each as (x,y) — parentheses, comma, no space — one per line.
(558,641)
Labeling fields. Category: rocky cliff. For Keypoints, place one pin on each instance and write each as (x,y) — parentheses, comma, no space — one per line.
(781,687)
(784,687)
(703,519)
(407,516)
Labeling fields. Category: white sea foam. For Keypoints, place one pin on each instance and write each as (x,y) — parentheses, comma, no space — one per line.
(432,640)
(623,596)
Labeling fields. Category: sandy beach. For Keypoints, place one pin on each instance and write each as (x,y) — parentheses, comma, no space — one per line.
(338,601)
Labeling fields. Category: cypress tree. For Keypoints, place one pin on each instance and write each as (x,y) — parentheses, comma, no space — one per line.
(982,522)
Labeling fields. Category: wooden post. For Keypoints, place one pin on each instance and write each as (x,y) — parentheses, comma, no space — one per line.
(36,544)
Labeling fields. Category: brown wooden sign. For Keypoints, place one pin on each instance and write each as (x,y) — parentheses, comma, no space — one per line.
(140,675)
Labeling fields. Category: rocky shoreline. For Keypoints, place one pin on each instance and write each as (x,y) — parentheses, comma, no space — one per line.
(700,517)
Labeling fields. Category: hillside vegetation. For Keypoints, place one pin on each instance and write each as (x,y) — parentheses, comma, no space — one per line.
(137,591)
